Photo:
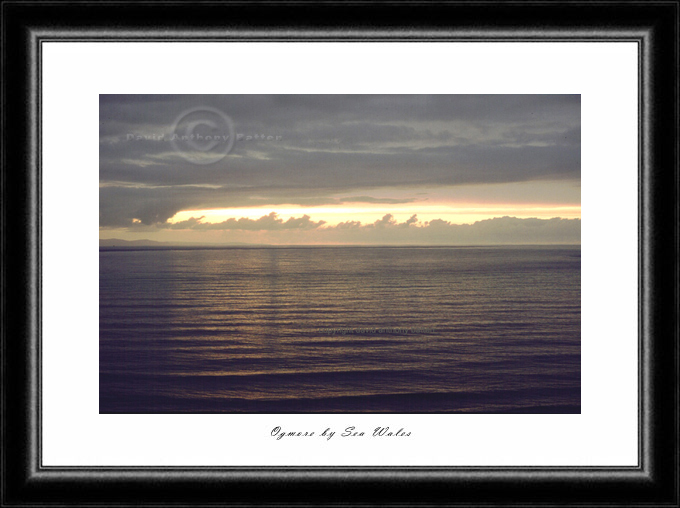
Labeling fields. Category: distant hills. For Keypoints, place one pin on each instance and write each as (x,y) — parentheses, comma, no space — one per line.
(117,242)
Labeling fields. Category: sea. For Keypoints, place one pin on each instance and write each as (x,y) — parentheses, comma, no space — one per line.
(340,330)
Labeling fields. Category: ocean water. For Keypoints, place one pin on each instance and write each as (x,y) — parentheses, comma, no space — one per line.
(340,329)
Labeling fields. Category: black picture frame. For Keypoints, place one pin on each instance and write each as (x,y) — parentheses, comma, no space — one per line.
(653,25)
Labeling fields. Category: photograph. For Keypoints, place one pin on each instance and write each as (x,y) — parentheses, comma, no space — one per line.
(334,254)
(340,254)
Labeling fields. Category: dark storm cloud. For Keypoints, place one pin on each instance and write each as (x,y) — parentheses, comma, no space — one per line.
(322,145)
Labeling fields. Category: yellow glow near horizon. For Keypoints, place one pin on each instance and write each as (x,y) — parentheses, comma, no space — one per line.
(458,214)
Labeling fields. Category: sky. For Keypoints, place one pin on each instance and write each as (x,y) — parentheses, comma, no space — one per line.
(341,169)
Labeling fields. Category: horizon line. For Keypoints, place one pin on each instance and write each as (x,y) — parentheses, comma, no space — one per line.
(128,245)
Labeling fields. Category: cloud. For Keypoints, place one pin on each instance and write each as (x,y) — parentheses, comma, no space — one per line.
(265,223)
(369,199)
(271,229)
(387,221)
(500,230)
(412,220)
(329,145)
